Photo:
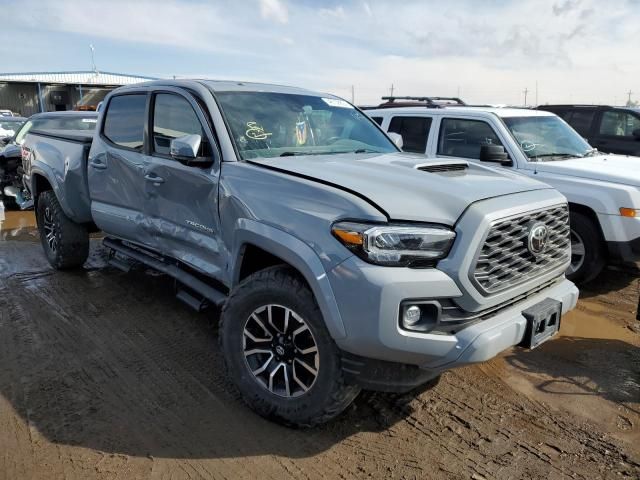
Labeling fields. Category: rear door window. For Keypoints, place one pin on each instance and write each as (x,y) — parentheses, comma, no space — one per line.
(464,138)
(378,120)
(414,131)
(125,120)
(618,123)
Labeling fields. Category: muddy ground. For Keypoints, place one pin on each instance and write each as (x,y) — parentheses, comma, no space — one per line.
(105,375)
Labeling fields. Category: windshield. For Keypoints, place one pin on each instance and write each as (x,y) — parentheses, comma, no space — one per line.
(547,138)
(8,126)
(266,125)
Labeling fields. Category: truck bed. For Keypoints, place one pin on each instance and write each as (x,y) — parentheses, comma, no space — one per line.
(61,158)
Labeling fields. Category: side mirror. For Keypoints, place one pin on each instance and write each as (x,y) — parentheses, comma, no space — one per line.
(495,153)
(396,138)
(185,149)
(636,133)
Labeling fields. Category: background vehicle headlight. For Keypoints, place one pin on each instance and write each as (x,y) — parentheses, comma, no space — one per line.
(395,245)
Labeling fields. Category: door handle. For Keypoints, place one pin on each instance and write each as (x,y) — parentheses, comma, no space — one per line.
(153,179)
(98,165)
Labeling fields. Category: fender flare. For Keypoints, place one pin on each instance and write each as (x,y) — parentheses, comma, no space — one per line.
(297,254)
(48,174)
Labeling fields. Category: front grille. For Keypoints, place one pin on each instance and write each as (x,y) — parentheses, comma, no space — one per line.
(505,259)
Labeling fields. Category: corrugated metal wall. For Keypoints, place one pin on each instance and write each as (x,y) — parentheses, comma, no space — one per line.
(22,98)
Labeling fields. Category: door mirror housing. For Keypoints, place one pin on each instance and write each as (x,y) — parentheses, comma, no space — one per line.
(495,153)
(185,149)
(396,138)
(636,133)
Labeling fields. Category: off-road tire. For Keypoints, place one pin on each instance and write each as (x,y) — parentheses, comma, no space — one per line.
(71,240)
(328,396)
(594,256)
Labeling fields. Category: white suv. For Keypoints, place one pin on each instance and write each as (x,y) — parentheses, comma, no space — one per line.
(603,190)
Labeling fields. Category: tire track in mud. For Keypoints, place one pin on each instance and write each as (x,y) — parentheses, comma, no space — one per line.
(106,375)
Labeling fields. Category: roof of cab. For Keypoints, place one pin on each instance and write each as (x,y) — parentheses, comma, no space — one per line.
(446,110)
(228,86)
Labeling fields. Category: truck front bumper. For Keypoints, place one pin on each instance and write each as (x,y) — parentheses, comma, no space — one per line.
(369,299)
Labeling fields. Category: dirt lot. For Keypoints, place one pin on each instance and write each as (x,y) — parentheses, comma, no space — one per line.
(105,375)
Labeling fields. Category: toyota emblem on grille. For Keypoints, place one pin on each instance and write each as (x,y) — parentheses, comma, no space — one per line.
(537,238)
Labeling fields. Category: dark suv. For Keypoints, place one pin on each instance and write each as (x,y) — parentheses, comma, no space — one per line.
(609,129)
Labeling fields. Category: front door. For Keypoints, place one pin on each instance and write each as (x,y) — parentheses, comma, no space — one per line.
(182,200)
(115,169)
(615,134)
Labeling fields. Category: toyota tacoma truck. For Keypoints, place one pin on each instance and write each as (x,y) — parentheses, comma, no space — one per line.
(603,190)
(338,262)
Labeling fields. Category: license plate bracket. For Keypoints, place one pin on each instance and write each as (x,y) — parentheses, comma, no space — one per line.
(543,322)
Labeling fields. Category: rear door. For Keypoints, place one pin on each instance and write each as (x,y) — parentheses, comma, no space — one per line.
(181,200)
(582,120)
(115,169)
(615,132)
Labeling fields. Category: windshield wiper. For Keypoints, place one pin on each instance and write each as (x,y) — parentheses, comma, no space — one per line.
(557,155)
(593,151)
(289,154)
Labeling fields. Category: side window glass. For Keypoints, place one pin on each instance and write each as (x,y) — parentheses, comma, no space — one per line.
(125,120)
(581,120)
(414,131)
(378,120)
(173,117)
(619,124)
(464,138)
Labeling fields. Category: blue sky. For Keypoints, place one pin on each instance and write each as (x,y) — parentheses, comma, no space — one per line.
(488,51)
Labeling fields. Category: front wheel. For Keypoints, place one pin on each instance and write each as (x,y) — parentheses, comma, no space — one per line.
(587,250)
(279,352)
(65,243)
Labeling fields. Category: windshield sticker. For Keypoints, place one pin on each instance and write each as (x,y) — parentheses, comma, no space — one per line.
(256,132)
(301,133)
(528,146)
(336,102)
(89,120)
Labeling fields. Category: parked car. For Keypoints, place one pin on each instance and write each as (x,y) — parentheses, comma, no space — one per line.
(8,127)
(6,113)
(609,129)
(339,263)
(12,192)
(602,190)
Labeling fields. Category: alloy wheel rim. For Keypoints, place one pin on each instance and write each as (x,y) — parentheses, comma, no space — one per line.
(577,252)
(50,230)
(280,351)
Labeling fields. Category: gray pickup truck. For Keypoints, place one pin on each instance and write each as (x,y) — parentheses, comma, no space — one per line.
(339,263)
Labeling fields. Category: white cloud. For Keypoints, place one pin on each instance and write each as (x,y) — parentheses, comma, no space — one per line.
(577,50)
(274,10)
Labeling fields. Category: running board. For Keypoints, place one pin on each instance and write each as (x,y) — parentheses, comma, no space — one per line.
(198,304)
(214,296)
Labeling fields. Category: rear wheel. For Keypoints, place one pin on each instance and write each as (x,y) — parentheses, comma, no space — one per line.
(279,352)
(65,243)
(587,249)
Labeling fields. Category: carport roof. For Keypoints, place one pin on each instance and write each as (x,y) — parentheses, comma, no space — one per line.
(78,77)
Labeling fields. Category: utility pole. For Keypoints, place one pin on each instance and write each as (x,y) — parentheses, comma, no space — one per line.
(353,94)
(537,93)
(93,61)
(391,89)
(629,93)
(526,91)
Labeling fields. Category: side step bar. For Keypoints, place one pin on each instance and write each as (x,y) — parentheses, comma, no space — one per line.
(214,296)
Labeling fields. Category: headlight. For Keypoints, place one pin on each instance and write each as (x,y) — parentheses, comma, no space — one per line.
(395,245)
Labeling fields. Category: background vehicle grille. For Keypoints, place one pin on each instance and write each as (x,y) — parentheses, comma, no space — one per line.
(505,260)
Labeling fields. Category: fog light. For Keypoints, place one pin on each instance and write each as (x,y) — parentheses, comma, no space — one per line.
(412,315)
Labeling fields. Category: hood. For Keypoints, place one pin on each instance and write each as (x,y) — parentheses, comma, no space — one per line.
(607,168)
(397,185)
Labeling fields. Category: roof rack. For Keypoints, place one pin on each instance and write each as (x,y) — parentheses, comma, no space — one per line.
(434,102)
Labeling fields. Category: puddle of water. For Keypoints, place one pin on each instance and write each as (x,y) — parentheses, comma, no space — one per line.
(590,321)
(16,224)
